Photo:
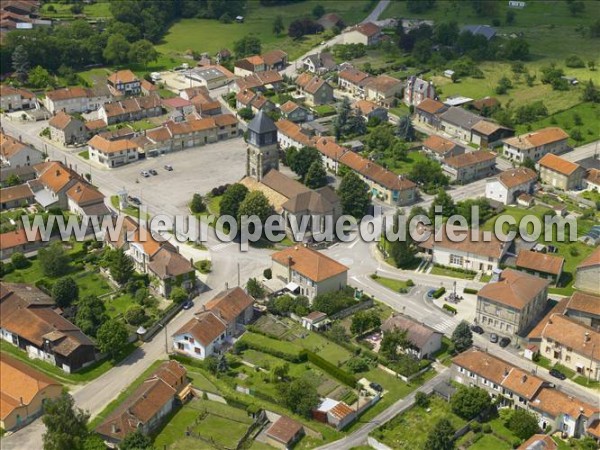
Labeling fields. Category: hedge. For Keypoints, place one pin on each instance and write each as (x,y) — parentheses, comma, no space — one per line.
(331,369)
(298,357)
(439,292)
(470,291)
(449,308)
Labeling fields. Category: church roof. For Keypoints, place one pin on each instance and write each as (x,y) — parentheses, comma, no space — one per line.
(262,124)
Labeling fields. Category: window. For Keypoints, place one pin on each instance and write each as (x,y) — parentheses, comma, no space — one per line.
(198,350)
(191,340)
(567,358)
(180,346)
(457,260)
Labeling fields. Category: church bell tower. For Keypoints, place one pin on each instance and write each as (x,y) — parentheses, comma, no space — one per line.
(262,154)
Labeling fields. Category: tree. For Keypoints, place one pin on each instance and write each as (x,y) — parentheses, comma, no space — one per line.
(279,372)
(303,159)
(318,11)
(255,289)
(66,426)
(402,252)
(248,45)
(504,84)
(392,340)
(116,50)
(380,138)
(516,49)
(136,441)
(301,27)
(278,26)
(576,7)
(337,333)
(290,154)
(316,177)
(354,195)
(20,62)
(246,113)
(54,260)
(469,402)
(256,204)
(135,315)
(178,295)
(429,174)
(94,442)
(13,180)
(19,261)
(300,396)
(39,77)
(65,292)
(91,314)
(197,204)
(441,437)
(121,267)
(462,337)
(591,93)
(405,130)
(421,399)
(522,423)
(112,337)
(143,52)
(528,163)
(357,364)
(233,196)
(591,65)
(445,204)
(363,321)
(510,17)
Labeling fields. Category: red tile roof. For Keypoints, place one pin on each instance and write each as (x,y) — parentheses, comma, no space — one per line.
(310,263)
(540,262)
(558,164)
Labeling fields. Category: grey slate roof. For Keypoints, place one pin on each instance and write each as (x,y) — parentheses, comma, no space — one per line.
(482,30)
(460,117)
(310,201)
(262,124)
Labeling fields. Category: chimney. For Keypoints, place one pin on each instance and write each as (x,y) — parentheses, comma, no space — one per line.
(524,378)
(587,337)
(505,371)
(57,172)
(113,428)
(226,285)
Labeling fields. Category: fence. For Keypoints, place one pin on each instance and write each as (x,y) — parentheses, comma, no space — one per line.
(160,324)
(352,309)
(374,443)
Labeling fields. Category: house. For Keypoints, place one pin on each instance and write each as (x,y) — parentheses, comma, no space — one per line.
(536,144)
(29,320)
(290,134)
(16,99)
(131,109)
(512,304)
(428,112)
(52,184)
(261,81)
(587,273)
(480,30)
(147,407)
(485,105)
(459,122)
(171,269)
(294,112)
(592,180)
(541,265)
(255,101)
(569,342)
(335,413)
(124,82)
(487,134)
(275,60)
(331,20)
(506,187)
(424,340)
(14,153)
(76,99)
(235,307)
(148,88)
(538,441)
(95,126)
(369,109)
(85,200)
(440,148)
(353,81)
(16,196)
(383,90)
(183,106)
(112,153)
(468,252)
(67,129)
(249,65)
(307,269)
(23,173)
(23,392)
(315,320)
(366,33)
(315,89)
(222,56)
(417,90)
(319,62)
(17,242)
(320,205)
(284,433)
(212,76)
(470,166)
(560,173)
(584,308)
(201,337)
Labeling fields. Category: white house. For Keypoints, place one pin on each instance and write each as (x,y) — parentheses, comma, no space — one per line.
(365,33)
(425,341)
(536,144)
(507,186)
(112,153)
(15,154)
(201,337)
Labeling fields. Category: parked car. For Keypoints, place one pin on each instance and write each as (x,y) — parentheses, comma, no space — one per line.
(134,200)
(168,167)
(376,387)
(504,342)
(430,293)
(145,173)
(476,329)
(493,338)
(188,305)
(153,172)
(558,374)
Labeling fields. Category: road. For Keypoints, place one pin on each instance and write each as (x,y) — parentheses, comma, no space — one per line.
(585,151)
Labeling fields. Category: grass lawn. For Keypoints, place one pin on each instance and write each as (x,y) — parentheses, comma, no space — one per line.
(116,307)
(444,354)
(400,110)
(390,283)
(517,213)
(447,272)
(63,10)
(82,376)
(84,154)
(142,125)
(324,110)
(201,382)
(92,283)
(404,166)
(130,210)
(123,395)
(490,442)
(409,430)
(206,35)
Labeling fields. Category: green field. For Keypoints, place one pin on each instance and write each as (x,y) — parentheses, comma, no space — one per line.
(391,283)
(205,35)
(99,9)
(448,272)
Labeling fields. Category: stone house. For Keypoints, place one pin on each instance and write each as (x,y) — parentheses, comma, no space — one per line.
(560,173)
(315,89)
(440,148)
(365,33)
(588,273)
(424,340)
(470,166)
(124,82)
(67,129)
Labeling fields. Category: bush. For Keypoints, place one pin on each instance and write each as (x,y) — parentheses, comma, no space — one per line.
(357,364)
(449,308)
(6,268)
(135,315)
(574,61)
(421,399)
(470,291)
(331,369)
(268,274)
(475,426)
(439,292)
(297,357)
(486,428)
(205,266)
(19,261)
(410,283)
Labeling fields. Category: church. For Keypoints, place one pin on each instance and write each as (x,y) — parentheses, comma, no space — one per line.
(290,198)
